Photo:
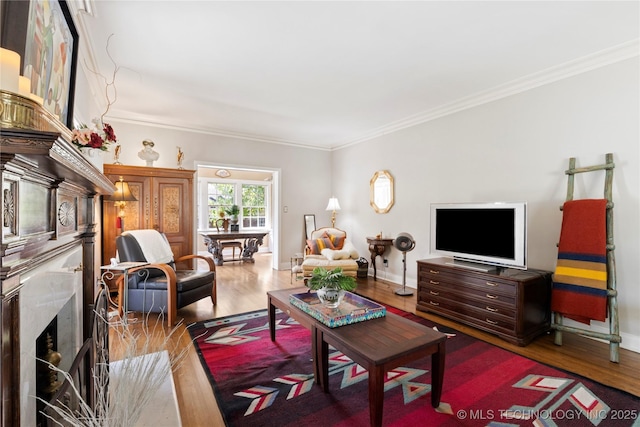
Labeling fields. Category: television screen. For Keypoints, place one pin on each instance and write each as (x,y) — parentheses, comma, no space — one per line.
(488,233)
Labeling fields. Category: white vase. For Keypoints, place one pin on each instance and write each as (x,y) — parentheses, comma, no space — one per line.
(94,156)
(331,297)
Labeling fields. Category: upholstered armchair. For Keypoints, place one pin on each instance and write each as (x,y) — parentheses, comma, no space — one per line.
(159,286)
(329,248)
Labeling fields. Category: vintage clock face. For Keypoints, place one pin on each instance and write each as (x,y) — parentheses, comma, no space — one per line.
(66,214)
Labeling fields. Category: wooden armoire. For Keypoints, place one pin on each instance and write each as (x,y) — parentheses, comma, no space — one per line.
(165,202)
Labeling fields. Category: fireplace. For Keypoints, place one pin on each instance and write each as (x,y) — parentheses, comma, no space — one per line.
(49,196)
(50,291)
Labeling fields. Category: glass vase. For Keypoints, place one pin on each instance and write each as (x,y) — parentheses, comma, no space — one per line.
(331,297)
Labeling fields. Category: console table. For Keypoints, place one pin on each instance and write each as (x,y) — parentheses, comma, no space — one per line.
(377,247)
(252,240)
(512,304)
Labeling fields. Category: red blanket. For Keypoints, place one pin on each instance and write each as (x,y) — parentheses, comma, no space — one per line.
(580,279)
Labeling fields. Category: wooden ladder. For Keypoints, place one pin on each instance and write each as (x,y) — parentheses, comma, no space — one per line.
(614,329)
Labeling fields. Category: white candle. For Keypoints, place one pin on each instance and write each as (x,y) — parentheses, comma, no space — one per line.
(9,70)
(24,86)
(36,98)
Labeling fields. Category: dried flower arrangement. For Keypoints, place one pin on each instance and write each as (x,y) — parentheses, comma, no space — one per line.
(132,390)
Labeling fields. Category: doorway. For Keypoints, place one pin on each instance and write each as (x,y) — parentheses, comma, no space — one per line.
(238,182)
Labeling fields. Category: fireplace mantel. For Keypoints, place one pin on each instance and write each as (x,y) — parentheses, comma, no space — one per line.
(49,199)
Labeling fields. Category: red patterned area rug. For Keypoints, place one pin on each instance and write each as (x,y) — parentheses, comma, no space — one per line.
(258,382)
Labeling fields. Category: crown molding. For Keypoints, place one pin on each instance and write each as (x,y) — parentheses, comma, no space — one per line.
(218,132)
(581,65)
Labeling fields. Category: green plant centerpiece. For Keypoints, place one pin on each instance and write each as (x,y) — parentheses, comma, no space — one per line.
(233,212)
(330,285)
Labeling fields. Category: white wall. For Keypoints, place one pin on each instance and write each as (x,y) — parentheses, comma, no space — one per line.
(513,149)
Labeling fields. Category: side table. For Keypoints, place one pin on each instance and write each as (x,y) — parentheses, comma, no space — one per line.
(377,247)
(111,270)
(296,267)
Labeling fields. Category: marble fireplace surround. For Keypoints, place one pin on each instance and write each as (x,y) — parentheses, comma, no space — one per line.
(49,290)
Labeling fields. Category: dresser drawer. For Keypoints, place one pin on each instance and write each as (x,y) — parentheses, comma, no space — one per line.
(471,314)
(469,281)
(486,303)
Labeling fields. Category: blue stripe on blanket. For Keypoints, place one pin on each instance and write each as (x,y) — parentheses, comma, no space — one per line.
(580,289)
(582,257)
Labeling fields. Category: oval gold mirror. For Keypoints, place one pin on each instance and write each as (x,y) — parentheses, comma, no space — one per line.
(381,198)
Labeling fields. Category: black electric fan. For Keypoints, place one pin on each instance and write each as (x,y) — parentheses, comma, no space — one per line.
(404,243)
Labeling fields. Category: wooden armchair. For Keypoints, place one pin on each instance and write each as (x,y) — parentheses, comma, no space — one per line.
(159,286)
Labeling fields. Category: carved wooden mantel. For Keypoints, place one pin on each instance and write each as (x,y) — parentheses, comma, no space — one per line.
(49,193)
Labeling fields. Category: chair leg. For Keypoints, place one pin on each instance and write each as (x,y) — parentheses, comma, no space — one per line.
(172,308)
(214,291)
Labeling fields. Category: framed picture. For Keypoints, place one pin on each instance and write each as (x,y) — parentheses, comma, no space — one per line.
(43,33)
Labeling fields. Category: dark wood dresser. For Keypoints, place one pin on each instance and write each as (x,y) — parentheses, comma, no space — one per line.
(512,304)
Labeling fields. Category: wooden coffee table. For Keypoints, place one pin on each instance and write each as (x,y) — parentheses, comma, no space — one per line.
(378,345)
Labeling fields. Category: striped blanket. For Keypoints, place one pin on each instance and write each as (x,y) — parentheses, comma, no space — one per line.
(580,280)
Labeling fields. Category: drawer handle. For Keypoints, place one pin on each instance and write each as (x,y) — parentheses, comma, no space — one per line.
(434,272)
(492,322)
(434,303)
(433,282)
(491,296)
(434,293)
(491,284)
(491,309)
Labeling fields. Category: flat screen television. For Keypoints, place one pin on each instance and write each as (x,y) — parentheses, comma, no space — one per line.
(478,235)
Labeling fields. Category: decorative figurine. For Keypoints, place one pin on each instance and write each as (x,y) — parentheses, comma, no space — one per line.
(180,157)
(116,154)
(147,153)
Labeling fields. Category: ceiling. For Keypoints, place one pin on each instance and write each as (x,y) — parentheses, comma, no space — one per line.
(329,74)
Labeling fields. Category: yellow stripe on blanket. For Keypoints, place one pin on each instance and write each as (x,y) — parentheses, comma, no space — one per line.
(581,277)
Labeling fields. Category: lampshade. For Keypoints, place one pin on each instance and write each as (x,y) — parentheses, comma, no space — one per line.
(333,204)
(122,193)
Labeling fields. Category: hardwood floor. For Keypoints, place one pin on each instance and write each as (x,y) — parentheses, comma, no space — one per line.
(243,287)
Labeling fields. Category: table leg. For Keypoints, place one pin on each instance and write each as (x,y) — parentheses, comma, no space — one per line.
(376,250)
(376,395)
(437,374)
(373,263)
(320,359)
(272,319)
(213,246)
(251,245)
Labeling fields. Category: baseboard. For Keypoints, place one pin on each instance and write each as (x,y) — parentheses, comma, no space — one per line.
(629,342)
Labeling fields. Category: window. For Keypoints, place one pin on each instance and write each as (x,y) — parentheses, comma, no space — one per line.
(220,197)
(254,206)
(253,199)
